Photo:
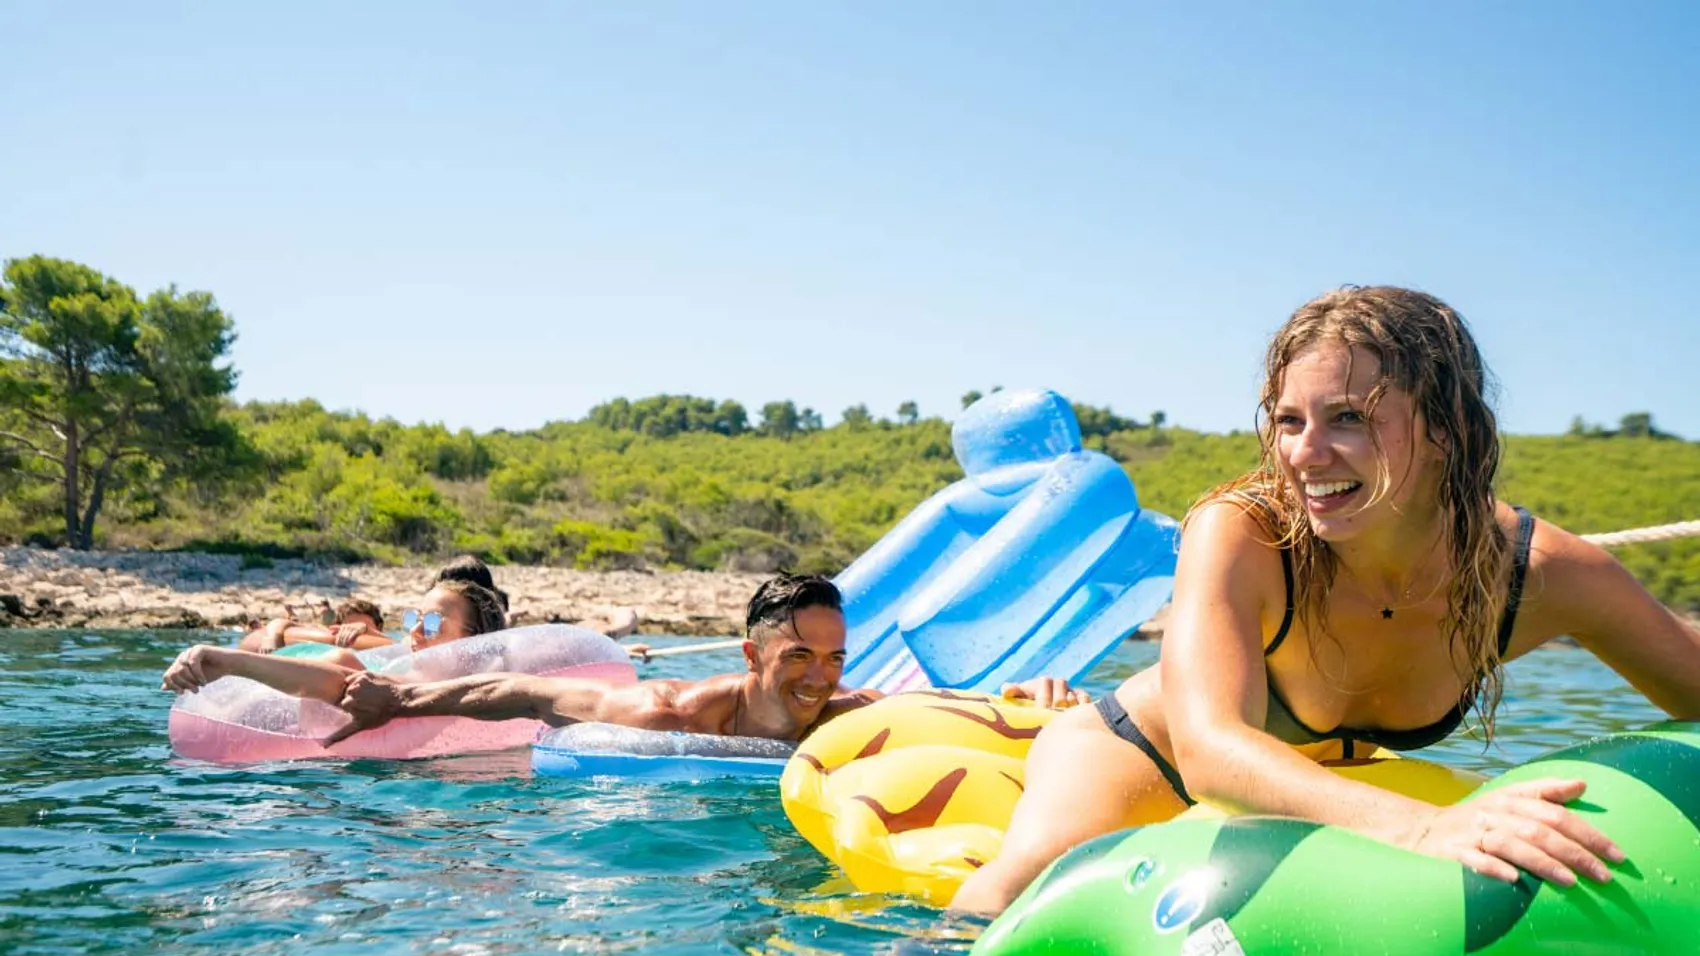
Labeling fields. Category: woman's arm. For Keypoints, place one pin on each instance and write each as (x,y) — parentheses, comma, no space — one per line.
(202,664)
(1228,583)
(374,700)
(1580,590)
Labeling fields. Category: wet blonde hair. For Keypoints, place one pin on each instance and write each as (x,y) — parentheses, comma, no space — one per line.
(1424,349)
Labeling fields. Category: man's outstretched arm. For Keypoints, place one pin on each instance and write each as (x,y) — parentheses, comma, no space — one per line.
(202,664)
(374,700)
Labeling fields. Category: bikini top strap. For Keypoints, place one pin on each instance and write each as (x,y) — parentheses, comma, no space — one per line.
(1519,569)
(1286,618)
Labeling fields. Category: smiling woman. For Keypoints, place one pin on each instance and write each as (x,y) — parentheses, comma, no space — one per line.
(451,610)
(1386,386)
(1380,453)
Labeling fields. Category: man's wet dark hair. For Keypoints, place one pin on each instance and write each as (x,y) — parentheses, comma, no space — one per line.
(779,598)
(359,606)
(473,571)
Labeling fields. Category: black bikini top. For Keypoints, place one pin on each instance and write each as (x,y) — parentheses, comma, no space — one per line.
(1287,728)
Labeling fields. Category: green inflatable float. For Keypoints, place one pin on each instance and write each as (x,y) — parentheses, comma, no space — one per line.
(307,650)
(1269,886)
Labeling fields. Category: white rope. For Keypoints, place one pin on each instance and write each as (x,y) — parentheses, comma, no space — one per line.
(1663,532)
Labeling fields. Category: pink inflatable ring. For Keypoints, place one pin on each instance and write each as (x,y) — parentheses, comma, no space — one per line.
(235,720)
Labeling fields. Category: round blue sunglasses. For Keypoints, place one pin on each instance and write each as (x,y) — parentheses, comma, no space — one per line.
(432,620)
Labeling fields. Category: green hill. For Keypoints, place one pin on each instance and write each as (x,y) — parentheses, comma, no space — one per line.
(679,482)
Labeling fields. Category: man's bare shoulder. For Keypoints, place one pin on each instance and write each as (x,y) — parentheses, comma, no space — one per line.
(702,706)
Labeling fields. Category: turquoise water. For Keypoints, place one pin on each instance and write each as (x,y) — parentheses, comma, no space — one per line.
(110,844)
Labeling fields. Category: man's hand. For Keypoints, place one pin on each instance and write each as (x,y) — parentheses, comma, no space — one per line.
(194,669)
(639,651)
(1052,692)
(370,699)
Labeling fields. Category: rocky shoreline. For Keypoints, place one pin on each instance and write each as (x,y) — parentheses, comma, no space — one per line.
(172,589)
(153,590)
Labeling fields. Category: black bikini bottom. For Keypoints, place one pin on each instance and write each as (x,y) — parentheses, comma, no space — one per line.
(1120,724)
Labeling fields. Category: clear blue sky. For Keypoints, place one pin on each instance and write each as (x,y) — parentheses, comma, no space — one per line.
(501,214)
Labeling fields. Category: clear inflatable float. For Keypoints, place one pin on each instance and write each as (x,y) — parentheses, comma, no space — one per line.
(235,720)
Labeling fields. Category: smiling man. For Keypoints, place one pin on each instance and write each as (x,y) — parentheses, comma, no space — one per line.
(793,652)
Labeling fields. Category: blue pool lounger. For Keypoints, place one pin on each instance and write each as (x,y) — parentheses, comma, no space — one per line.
(1038,562)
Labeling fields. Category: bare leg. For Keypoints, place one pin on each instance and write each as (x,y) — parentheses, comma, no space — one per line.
(1064,806)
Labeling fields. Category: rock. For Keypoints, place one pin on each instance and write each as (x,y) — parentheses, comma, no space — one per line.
(166,590)
(158,618)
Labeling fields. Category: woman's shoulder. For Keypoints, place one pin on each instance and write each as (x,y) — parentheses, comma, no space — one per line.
(1551,549)
(1232,548)
(1568,581)
(1232,524)
(1576,587)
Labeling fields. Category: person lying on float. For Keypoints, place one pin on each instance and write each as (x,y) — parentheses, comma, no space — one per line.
(794,652)
(355,624)
(450,611)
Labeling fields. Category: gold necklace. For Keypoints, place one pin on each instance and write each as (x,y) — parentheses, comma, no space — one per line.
(1388,607)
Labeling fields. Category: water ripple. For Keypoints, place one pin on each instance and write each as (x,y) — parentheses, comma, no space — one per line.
(108,843)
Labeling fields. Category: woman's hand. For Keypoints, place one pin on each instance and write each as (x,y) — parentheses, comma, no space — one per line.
(1523,826)
(1052,692)
(194,669)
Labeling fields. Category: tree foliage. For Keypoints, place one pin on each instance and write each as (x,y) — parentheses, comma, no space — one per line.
(100,390)
(1633,425)
(857,417)
(664,416)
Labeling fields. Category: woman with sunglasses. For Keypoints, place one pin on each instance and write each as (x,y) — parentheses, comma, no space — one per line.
(617,623)
(451,610)
(334,627)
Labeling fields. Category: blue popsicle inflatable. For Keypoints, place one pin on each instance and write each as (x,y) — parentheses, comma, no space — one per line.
(1036,563)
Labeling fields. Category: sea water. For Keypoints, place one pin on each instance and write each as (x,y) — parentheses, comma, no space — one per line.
(108,843)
